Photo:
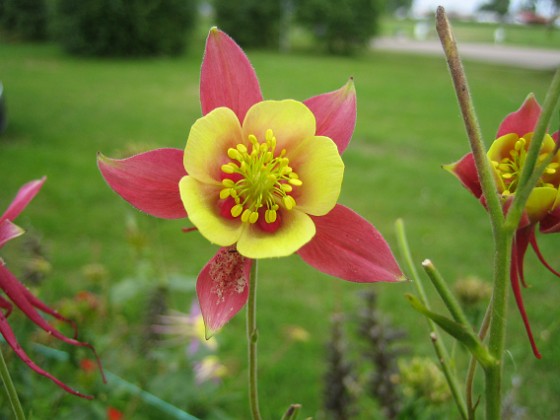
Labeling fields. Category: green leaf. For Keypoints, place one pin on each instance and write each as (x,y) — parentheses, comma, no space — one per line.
(462,333)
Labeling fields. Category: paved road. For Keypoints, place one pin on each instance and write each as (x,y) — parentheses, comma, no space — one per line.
(531,58)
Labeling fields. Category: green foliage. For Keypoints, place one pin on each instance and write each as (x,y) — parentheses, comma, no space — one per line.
(24,19)
(252,23)
(124,27)
(343,26)
(501,7)
(396,5)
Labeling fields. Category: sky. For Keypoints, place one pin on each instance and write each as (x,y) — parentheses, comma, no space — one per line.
(457,6)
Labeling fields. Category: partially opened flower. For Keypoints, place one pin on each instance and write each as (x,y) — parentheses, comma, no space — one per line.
(261,179)
(17,294)
(507,155)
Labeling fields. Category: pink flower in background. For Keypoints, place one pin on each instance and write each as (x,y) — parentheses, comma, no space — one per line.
(507,155)
(17,294)
(259,178)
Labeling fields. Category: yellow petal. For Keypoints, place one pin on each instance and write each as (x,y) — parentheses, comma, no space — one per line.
(501,147)
(320,168)
(209,140)
(296,230)
(289,120)
(540,202)
(200,201)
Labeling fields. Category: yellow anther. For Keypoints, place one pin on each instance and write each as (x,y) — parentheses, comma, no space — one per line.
(242,148)
(507,175)
(254,217)
(245,216)
(226,182)
(296,181)
(270,216)
(225,193)
(236,210)
(289,202)
(234,154)
(228,168)
(287,188)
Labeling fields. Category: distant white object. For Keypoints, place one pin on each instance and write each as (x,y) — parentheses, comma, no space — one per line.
(421,30)
(499,35)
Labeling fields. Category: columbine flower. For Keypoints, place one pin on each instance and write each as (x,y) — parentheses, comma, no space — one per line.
(260,179)
(507,155)
(188,327)
(20,296)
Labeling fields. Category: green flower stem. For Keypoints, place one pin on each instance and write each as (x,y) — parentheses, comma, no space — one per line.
(439,346)
(471,370)
(496,343)
(252,337)
(531,172)
(445,294)
(10,390)
(470,120)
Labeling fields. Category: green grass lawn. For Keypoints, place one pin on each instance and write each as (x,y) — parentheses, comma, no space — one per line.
(63,110)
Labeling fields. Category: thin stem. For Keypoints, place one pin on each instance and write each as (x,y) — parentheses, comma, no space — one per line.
(439,346)
(252,336)
(473,363)
(444,292)
(496,342)
(10,390)
(470,120)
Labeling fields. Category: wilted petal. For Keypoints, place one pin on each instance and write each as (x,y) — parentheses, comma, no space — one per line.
(227,77)
(9,231)
(20,296)
(465,170)
(335,114)
(523,120)
(25,194)
(10,338)
(149,181)
(349,247)
(223,288)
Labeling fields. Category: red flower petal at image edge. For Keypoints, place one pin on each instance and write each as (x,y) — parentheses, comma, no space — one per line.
(21,297)
(228,80)
(543,207)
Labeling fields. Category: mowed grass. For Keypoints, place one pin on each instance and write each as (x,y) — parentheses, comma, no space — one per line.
(64,110)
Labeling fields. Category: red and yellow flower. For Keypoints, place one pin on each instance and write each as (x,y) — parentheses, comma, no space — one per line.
(259,178)
(20,296)
(507,156)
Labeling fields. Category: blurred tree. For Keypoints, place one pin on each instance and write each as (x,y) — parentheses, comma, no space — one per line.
(252,23)
(500,7)
(124,27)
(24,19)
(343,26)
(393,6)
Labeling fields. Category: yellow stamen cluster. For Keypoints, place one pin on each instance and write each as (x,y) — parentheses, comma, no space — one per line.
(510,167)
(266,180)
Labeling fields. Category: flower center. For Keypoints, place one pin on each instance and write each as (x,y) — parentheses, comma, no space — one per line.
(259,181)
(510,167)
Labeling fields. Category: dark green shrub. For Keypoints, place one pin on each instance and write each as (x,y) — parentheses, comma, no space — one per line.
(23,19)
(252,23)
(124,27)
(342,26)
